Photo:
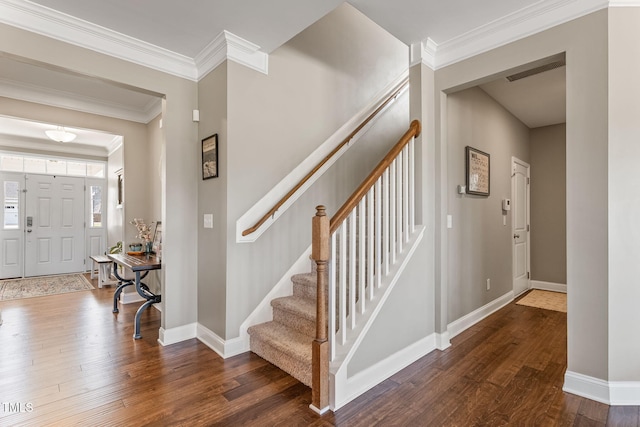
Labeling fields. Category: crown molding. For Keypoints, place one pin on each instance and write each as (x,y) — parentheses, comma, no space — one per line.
(71,101)
(522,23)
(624,3)
(21,143)
(51,23)
(229,46)
(114,145)
(425,53)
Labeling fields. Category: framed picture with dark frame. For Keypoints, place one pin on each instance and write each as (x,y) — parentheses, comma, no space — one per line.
(477,170)
(210,157)
(156,247)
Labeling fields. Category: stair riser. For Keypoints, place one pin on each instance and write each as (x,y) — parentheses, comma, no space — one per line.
(304,290)
(298,323)
(300,370)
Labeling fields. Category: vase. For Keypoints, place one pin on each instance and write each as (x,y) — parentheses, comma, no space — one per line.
(148,246)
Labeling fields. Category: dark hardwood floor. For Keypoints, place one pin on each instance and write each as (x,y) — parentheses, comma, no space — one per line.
(67,360)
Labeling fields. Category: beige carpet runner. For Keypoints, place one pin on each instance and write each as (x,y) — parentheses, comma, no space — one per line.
(547,300)
(44,285)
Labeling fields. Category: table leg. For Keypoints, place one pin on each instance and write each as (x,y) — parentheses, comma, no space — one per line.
(151,299)
(123,284)
(143,307)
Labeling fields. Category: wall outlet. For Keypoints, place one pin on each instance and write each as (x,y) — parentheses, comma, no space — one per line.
(488,284)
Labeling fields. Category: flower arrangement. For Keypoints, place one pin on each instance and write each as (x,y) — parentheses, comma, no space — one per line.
(144,230)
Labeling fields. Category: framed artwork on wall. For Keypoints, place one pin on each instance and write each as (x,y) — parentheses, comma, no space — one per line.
(477,170)
(210,157)
(157,240)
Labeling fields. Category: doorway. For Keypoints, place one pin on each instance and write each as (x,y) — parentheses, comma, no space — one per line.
(47,226)
(54,225)
(520,224)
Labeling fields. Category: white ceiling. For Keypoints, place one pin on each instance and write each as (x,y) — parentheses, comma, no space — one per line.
(184,30)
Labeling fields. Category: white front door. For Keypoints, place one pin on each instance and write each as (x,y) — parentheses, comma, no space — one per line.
(54,225)
(520,225)
(11,226)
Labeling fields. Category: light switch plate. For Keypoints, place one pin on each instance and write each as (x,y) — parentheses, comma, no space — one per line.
(208,220)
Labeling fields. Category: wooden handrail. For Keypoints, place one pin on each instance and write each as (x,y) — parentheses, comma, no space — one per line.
(308,176)
(352,202)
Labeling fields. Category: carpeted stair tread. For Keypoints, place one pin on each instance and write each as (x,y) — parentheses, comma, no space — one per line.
(284,339)
(284,347)
(300,306)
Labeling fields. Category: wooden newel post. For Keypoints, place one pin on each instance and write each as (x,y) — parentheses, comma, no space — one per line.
(320,347)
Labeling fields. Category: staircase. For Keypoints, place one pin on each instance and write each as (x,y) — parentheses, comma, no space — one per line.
(359,254)
(286,340)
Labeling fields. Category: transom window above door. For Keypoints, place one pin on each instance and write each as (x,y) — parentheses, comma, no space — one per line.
(50,165)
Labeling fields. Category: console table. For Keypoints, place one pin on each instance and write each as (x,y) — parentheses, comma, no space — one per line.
(140,265)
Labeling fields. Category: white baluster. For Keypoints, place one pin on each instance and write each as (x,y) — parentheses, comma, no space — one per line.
(342,301)
(385,221)
(392,209)
(378,215)
(412,186)
(353,258)
(405,193)
(362,255)
(371,221)
(399,201)
(332,298)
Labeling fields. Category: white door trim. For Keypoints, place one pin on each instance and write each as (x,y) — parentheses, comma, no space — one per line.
(515,161)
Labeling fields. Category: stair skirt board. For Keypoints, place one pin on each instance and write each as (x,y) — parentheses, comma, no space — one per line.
(346,389)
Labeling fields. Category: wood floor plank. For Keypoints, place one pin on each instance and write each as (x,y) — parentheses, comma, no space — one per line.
(76,363)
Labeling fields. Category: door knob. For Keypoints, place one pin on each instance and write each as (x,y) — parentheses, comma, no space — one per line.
(516,236)
(29,231)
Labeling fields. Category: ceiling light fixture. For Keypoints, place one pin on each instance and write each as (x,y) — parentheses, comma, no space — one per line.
(60,134)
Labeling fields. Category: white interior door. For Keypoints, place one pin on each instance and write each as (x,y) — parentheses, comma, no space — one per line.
(520,225)
(54,225)
(11,226)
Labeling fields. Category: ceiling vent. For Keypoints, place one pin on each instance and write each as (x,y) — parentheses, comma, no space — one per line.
(537,70)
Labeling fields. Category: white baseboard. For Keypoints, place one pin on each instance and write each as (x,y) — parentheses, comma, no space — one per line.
(130,298)
(585,386)
(624,393)
(224,348)
(176,335)
(548,286)
(615,393)
(465,322)
(351,388)
(443,341)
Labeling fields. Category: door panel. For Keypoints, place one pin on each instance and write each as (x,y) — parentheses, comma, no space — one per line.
(55,242)
(520,225)
(11,225)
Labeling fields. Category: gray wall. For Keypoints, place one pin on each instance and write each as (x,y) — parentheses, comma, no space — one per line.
(480,245)
(212,242)
(548,204)
(585,41)
(316,82)
(624,187)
